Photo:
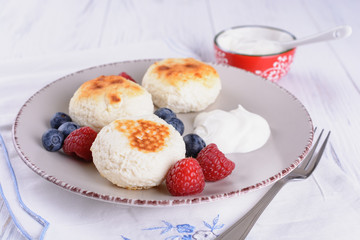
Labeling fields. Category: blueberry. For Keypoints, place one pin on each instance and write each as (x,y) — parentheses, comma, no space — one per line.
(67,128)
(52,140)
(193,143)
(58,119)
(177,124)
(165,113)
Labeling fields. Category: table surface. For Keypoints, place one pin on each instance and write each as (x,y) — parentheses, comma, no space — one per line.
(325,77)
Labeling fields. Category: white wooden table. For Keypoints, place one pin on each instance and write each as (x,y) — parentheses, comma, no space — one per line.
(325,77)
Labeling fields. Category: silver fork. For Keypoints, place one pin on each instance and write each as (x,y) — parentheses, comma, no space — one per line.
(243,226)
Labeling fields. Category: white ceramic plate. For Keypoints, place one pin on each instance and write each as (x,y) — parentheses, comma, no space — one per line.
(290,140)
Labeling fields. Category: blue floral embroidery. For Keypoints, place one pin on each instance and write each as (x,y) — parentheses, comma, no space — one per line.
(214,225)
(185,228)
(181,228)
(187,231)
(209,233)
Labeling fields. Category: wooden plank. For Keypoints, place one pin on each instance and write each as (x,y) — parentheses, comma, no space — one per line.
(288,15)
(187,23)
(85,25)
(346,50)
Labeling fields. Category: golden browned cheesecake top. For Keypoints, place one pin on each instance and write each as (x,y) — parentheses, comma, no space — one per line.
(144,135)
(112,87)
(175,71)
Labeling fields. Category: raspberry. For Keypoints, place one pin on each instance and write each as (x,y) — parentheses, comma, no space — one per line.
(185,177)
(214,164)
(127,76)
(79,141)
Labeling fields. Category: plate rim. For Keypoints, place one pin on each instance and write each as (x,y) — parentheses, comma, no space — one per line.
(188,200)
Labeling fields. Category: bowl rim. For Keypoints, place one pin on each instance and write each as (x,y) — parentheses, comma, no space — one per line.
(253,26)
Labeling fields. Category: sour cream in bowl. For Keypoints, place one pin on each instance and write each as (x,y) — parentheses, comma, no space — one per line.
(254,48)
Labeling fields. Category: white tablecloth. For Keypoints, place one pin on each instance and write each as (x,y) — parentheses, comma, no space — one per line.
(325,206)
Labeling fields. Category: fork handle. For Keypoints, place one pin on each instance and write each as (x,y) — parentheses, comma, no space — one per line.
(242,227)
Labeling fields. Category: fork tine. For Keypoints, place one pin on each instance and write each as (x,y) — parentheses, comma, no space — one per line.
(311,153)
(312,165)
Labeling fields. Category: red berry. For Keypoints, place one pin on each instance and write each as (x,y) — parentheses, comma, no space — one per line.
(185,177)
(127,76)
(79,142)
(214,164)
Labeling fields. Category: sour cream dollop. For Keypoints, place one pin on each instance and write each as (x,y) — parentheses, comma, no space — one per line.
(235,131)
